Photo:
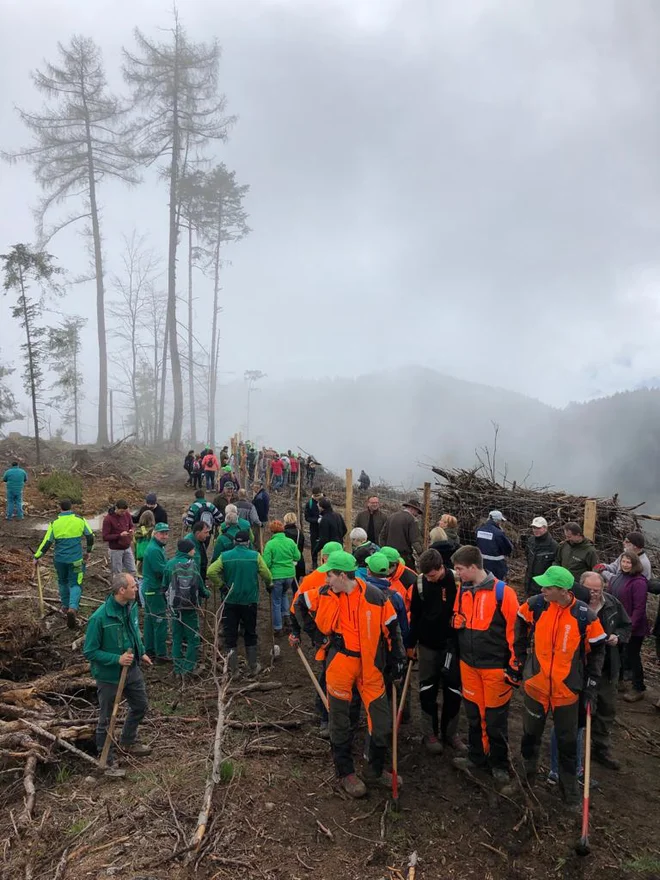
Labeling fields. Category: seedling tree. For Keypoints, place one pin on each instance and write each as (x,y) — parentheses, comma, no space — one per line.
(176,85)
(78,143)
(8,408)
(23,266)
(64,346)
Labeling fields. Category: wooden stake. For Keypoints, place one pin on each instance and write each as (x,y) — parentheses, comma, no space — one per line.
(589,528)
(299,496)
(103,761)
(268,475)
(41,591)
(310,671)
(349,508)
(427,513)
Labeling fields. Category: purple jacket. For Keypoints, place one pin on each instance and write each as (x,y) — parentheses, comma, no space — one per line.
(631,590)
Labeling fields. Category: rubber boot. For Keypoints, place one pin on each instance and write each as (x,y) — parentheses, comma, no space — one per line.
(253,661)
(570,792)
(233,662)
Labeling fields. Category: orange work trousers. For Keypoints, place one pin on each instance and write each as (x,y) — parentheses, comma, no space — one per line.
(343,674)
(486,697)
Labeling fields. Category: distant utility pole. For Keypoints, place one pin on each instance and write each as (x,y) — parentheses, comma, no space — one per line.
(251,377)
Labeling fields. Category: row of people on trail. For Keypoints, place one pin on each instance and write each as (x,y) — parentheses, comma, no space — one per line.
(205,467)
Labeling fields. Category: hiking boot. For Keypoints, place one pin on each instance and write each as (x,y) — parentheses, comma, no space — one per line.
(457,744)
(503,782)
(602,756)
(633,696)
(353,785)
(138,750)
(71,618)
(324,730)
(385,779)
(232,661)
(432,745)
(553,778)
(253,662)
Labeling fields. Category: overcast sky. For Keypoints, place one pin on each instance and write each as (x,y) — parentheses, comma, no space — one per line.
(472,186)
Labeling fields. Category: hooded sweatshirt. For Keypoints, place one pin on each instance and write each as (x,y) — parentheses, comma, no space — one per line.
(114,523)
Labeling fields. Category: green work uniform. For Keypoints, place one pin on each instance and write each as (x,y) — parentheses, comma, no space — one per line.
(112,630)
(185,622)
(226,539)
(155,604)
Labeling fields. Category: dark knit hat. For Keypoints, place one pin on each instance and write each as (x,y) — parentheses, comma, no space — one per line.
(185,546)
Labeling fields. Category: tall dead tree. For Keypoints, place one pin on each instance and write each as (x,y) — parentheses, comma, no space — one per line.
(78,143)
(176,85)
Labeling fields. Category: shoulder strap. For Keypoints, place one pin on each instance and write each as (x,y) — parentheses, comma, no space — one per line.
(537,604)
(420,585)
(499,593)
(582,618)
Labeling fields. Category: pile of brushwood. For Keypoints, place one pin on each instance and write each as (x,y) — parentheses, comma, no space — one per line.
(470,494)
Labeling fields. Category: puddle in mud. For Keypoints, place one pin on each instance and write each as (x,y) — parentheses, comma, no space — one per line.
(95,523)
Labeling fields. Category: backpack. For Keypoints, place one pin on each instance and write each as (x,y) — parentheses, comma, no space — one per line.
(197,466)
(206,517)
(183,592)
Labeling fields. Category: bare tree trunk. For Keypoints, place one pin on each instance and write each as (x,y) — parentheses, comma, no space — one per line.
(75,392)
(163,378)
(191,378)
(102,429)
(177,381)
(213,371)
(30,354)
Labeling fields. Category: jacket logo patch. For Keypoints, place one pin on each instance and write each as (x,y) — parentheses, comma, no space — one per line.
(368,616)
(567,632)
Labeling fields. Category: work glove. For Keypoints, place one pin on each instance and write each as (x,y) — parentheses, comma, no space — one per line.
(513,676)
(399,668)
(591,694)
(294,641)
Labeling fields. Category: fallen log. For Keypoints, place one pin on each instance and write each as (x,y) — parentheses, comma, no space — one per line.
(62,742)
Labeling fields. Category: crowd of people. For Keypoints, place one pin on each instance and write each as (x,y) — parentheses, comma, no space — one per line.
(571,643)
(266,464)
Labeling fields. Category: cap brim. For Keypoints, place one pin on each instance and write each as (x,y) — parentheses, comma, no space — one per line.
(543,581)
(324,568)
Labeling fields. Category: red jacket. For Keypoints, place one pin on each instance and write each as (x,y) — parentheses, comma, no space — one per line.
(210,463)
(114,523)
(277,467)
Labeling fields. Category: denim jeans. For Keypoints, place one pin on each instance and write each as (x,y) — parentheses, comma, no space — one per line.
(135,694)
(122,560)
(280,600)
(14,504)
(210,479)
(278,482)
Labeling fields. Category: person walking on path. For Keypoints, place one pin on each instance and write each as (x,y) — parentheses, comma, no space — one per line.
(197,472)
(559,652)
(142,536)
(484,619)
(247,510)
(331,525)
(433,640)
(280,556)
(199,538)
(151,503)
(631,589)
(188,462)
(112,641)
(118,533)
(364,482)
(363,637)
(236,574)
(494,545)
(204,511)
(67,532)
(277,472)
(401,531)
(184,586)
(232,525)
(292,530)
(155,605)
(576,553)
(312,517)
(541,551)
(371,519)
(16,479)
(210,466)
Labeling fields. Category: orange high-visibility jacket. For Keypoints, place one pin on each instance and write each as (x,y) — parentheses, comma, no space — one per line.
(313,581)
(556,647)
(404,589)
(485,626)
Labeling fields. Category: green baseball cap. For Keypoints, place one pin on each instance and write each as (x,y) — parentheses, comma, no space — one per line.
(391,554)
(331,547)
(378,563)
(556,576)
(227,468)
(161,527)
(340,561)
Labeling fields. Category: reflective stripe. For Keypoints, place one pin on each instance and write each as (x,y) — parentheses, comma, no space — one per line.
(390,619)
(493,558)
(597,639)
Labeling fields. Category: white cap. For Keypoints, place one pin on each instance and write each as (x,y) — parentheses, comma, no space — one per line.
(497,516)
(539,522)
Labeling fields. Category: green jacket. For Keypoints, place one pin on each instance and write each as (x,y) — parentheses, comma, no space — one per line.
(225,540)
(66,532)
(281,555)
(15,478)
(153,567)
(199,549)
(112,629)
(169,568)
(577,558)
(238,570)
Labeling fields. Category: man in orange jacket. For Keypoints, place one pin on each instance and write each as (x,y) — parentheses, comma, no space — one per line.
(484,617)
(401,577)
(560,646)
(363,636)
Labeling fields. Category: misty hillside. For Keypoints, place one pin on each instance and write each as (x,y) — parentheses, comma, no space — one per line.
(392,423)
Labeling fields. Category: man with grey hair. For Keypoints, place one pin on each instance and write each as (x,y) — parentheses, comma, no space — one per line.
(112,642)
(361,546)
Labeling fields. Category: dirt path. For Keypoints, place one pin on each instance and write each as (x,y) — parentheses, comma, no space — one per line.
(278,812)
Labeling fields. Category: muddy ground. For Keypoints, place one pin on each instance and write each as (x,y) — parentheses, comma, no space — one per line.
(278,813)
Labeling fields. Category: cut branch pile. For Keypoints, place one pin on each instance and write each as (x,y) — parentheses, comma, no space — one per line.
(18,633)
(470,494)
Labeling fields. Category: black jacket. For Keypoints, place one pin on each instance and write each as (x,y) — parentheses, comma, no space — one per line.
(331,528)
(261,502)
(431,613)
(298,537)
(541,553)
(312,512)
(616,622)
(159,512)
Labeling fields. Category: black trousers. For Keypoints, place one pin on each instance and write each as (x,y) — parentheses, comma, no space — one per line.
(233,616)
(432,677)
(197,480)
(313,541)
(565,719)
(633,662)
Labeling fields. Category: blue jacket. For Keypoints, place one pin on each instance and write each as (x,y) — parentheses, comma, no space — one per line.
(493,543)
(261,503)
(395,598)
(15,478)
